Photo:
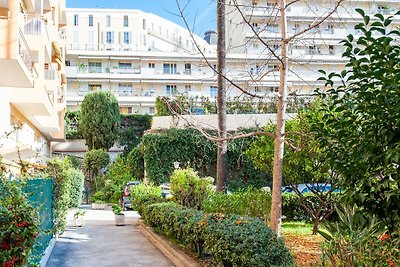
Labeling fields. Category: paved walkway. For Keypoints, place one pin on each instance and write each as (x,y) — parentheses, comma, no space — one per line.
(102,244)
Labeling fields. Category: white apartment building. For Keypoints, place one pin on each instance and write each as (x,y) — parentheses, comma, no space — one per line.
(32,79)
(139,56)
(253,28)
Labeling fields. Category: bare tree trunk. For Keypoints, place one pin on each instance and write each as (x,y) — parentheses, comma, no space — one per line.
(221,100)
(276,208)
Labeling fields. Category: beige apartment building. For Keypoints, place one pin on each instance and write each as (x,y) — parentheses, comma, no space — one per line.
(32,79)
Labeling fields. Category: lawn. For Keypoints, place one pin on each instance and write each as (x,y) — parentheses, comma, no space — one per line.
(304,246)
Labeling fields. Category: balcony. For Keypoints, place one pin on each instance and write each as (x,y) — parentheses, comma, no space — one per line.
(132,70)
(38,37)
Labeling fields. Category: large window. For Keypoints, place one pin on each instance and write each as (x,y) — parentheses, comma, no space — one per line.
(170,89)
(75,20)
(125,65)
(90,20)
(126,21)
(109,37)
(169,68)
(94,67)
(127,39)
(188,68)
(125,89)
(213,91)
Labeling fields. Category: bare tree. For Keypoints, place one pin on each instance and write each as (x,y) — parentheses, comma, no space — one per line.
(282,60)
(222,156)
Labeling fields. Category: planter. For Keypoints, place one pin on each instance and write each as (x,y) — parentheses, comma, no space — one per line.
(80,221)
(98,206)
(120,219)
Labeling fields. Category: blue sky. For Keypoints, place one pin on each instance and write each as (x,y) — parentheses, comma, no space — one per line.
(200,12)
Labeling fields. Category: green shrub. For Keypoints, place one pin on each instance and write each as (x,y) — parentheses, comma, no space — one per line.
(135,163)
(76,177)
(250,202)
(231,240)
(57,169)
(19,225)
(142,195)
(98,197)
(188,189)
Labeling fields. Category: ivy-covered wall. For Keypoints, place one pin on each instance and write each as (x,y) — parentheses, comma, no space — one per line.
(192,149)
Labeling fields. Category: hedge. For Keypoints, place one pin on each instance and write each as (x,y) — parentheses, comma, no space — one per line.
(231,240)
(192,149)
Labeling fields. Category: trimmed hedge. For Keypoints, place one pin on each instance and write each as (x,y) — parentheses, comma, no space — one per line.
(231,240)
(77,179)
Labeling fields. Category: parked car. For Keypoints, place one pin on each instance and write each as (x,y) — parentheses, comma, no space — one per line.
(306,188)
(127,192)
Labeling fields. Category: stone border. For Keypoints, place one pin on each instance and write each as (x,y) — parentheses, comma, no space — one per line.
(175,254)
(48,251)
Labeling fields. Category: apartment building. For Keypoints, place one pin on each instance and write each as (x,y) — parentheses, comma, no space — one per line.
(32,79)
(253,28)
(139,56)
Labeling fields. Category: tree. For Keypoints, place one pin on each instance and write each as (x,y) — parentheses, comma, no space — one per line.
(305,163)
(360,128)
(99,121)
(94,161)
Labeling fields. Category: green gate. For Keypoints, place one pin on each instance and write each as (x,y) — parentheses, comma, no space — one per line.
(40,195)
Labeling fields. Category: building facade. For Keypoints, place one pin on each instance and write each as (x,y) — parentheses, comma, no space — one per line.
(140,56)
(32,79)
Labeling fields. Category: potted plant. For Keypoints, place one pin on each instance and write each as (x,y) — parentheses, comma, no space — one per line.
(98,201)
(119,215)
(79,217)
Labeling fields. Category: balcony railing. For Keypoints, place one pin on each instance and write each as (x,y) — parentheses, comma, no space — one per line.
(132,70)
(25,52)
(37,27)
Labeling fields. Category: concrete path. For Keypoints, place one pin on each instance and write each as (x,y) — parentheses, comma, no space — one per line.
(102,244)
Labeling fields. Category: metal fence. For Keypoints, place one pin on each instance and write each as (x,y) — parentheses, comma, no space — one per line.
(39,192)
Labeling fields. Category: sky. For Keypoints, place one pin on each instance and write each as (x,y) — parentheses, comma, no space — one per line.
(200,12)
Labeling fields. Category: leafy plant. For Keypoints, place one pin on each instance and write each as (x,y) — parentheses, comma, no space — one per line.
(360,124)
(95,160)
(135,163)
(132,127)
(98,197)
(142,195)
(76,178)
(188,189)
(79,213)
(117,209)
(19,225)
(250,202)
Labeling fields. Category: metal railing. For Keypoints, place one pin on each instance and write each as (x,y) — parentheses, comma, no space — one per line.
(25,52)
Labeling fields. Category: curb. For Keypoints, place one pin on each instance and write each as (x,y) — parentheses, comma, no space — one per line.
(48,251)
(175,254)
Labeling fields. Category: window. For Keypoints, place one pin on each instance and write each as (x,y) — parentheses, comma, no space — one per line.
(90,20)
(274,89)
(94,87)
(331,49)
(213,91)
(75,20)
(125,89)
(170,89)
(152,65)
(127,38)
(272,27)
(126,21)
(129,110)
(188,68)
(169,68)
(125,65)
(144,24)
(296,27)
(108,21)
(255,25)
(188,88)
(109,37)
(67,63)
(257,89)
(94,67)
(152,110)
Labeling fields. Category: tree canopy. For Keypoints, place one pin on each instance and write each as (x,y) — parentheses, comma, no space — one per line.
(100,119)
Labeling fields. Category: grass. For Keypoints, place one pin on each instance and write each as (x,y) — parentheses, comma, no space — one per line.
(297,228)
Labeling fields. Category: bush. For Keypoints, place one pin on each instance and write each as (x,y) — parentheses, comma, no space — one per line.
(57,169)
(250,202)
(231,240)
(142,195)
(19,225)
(76,178)
(94,161)
(294,211)
(135,163)
(188,189)
(98,197)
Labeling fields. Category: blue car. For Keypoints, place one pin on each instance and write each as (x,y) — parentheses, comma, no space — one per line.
(306,188)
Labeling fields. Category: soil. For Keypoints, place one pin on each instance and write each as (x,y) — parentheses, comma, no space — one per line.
(305,248)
